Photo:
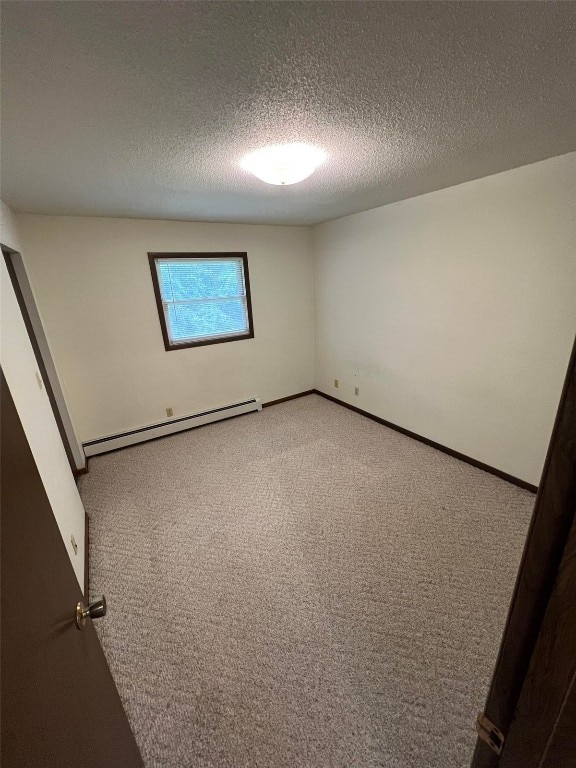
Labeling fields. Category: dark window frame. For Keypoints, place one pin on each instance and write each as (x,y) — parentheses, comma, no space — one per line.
(168,345)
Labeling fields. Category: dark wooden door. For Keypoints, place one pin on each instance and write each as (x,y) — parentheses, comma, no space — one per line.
(59,704)
(543,730)
(532,697)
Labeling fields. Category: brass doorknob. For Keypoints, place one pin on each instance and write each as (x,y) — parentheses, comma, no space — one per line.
(96,609)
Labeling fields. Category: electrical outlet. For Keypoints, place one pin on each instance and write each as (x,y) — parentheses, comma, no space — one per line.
(336,383)
(356,390)
(74,545)
(169,411)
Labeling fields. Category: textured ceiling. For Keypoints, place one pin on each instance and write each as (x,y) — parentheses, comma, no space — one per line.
(145,108)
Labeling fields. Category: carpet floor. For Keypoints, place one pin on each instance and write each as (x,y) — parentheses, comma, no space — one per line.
(301,587)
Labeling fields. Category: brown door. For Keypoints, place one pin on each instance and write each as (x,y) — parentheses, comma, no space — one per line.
(59,704)
(543,730)
(532,697)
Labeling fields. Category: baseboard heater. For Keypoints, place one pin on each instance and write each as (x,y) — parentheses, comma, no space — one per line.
(124,439)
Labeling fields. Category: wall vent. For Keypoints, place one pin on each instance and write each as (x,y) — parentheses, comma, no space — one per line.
(169,427)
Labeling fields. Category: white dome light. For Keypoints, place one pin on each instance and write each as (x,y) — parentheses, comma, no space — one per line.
(284,163)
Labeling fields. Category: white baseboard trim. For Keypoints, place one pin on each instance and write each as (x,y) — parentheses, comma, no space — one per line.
(164,428)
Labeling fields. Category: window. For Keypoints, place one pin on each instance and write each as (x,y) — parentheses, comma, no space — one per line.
(202,298)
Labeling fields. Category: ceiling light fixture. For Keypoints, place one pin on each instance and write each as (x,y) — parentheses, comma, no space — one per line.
(284,163)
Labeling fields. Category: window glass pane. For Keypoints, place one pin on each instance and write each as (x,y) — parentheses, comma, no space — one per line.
(200,279)
(164,280)
(203,298)
(198,320)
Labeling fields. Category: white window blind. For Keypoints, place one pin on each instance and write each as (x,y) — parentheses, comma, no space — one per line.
(203,298)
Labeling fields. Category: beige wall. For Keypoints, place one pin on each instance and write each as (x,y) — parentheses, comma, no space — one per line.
(94,289)
(454,313)
(21,372)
